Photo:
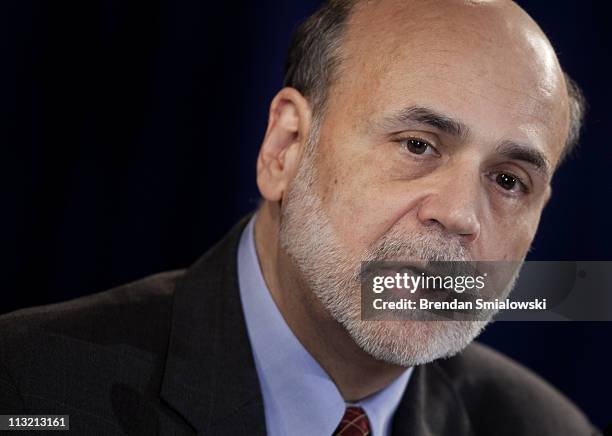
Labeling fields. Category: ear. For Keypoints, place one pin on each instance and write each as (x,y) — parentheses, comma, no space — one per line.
(288,127)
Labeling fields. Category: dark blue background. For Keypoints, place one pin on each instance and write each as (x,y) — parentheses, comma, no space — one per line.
(129,135)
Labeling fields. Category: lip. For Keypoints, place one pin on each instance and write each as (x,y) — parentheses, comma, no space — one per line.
(433,269)
(391,268)
(396,267)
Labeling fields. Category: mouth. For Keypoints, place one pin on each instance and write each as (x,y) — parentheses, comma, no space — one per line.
(401,279)
(432,280)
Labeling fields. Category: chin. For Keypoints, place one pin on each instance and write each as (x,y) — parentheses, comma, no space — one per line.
(411,343)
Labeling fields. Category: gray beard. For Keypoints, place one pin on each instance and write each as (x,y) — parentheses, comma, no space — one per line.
(333,276)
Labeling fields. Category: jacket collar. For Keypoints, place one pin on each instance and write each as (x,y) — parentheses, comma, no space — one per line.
(209,376)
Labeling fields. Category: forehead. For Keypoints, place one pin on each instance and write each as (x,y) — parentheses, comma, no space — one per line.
(486,63)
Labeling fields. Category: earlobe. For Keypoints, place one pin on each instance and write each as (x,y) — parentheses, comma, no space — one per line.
(287,132)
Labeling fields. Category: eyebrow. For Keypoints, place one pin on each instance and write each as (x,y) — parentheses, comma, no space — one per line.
(444,123)
(429,117)
(525,153)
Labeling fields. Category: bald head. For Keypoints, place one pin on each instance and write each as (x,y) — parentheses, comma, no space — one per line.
(496,40)
(430,92)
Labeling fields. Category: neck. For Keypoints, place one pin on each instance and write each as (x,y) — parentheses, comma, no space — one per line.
(355,373)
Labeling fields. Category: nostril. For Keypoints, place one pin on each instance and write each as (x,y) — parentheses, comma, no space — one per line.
(433,223)
(469,237)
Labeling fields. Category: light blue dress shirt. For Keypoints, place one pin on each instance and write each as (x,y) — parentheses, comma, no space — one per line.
(299,397)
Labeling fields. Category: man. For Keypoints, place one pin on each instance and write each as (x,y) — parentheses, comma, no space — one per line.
(413,129)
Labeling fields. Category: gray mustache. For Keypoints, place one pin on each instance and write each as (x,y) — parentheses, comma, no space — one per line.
(431,247)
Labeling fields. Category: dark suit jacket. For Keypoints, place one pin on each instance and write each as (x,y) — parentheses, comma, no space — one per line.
(170,355)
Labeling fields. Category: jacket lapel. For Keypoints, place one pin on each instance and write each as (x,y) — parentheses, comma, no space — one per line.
(431,406)
(210,377)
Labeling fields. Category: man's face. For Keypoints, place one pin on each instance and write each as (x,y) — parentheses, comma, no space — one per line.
(385,161)
(439,139)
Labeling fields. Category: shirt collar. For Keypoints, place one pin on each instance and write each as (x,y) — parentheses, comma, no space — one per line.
(299,397)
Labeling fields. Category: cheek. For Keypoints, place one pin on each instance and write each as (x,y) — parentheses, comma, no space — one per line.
(360,205)
(508,238)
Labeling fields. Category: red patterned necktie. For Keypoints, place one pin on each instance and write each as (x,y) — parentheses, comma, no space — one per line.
(354,423)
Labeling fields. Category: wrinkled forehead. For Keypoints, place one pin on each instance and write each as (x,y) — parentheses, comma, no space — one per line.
(483,61)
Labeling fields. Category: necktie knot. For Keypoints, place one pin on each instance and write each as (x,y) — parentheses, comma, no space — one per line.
(354,423)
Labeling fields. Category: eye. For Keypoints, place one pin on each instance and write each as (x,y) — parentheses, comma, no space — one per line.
(417,146)
(510,182)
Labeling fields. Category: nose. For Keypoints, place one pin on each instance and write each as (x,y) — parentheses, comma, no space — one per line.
(453,204)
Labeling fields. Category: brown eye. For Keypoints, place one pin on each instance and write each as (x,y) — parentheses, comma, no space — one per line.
(416,146)
(506,181)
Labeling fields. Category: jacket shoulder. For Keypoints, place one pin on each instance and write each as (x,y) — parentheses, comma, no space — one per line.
(57,353)
(503,397)
(105,317)
(98,358)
